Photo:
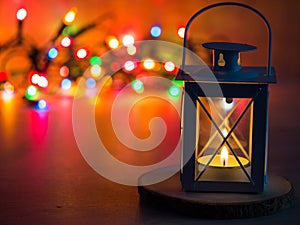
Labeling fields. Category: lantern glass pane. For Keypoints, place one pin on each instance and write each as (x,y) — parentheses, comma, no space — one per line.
(223,139)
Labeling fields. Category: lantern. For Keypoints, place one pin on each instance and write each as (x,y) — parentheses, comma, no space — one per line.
(225,118)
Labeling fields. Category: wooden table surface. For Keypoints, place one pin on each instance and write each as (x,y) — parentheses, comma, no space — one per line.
(45,180)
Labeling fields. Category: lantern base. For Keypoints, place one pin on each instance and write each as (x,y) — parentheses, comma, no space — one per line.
(168,195)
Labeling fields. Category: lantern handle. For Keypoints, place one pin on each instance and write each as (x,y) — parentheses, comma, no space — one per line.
(228,4)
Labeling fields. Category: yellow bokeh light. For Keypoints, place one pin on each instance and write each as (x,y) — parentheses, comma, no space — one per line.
(70,16)
(112,42)
(149,64)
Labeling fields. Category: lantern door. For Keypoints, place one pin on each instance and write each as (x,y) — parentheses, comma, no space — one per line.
(228,137)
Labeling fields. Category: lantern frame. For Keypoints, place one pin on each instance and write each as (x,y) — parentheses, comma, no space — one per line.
(245,82)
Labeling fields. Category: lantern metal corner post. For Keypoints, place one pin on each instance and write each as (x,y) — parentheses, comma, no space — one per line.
(225,118)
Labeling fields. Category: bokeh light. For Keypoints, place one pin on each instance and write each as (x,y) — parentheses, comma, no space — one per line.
(131,50)
(31,92)
(155,31)
(95,70)
(90,83)
(35,78)
(70,16)
(181,31)
(8,88)
(95,60)
(42,82)
(129,65)
(81,53)
(149,64)
(21,14)
(64,71)
(66,84)
(138,86)
(52,53)
(41,104)
(112,42)
(174,91)
(66,42)
(169,66)
(128,40)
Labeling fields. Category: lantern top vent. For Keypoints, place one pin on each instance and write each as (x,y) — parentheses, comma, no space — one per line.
(227,55)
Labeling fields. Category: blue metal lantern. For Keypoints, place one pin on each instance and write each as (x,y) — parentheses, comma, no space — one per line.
(225,118)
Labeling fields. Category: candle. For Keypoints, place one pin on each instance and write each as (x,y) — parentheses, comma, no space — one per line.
(223,160)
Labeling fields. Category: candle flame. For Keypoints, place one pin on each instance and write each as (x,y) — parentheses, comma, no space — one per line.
(224,156)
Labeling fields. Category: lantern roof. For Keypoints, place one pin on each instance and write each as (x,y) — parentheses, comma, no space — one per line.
(232,72)
(229,46)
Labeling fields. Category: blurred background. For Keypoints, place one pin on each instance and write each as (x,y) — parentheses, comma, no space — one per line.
(42,173)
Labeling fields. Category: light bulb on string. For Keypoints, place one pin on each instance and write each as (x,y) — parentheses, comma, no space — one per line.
(128,40)
(31,92)
(138,86)
(21,14)
(112,42)
(155,31)
(52,53)
(41,104)
(169,66)
(81,53)
(66,84)
(174,91)
(181,31)
(66,42)
(90,83)
(64,71)
(70,16)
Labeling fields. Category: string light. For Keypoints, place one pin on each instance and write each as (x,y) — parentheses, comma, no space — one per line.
(90,83)
(70,16)
(35,78)
(81,53)
(155,31)
(66,42)
(41,104)
(8,88)
(64,71)
(180,32)
(174,91)
(21,14)
(42,82)
(138,86)
(131,50)
(95,60)
(129,65)
(112,42)
(149,64)
(52,53)
(169,66)
(95,70)
(66,84)
(128,40)
(31,92)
